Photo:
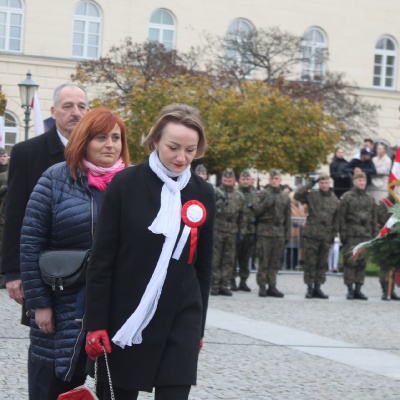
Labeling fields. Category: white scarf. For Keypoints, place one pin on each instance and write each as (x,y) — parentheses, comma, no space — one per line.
(167,223)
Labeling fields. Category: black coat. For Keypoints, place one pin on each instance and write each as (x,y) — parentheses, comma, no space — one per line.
(341,180)
(28,161)
(124,255)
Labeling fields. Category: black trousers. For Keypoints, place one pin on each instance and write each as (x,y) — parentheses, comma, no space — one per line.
(161,393)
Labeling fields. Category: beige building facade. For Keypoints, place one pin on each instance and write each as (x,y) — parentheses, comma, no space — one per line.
(48,37)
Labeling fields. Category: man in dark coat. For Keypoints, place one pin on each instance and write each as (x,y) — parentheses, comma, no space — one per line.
(364,164)
(28,161)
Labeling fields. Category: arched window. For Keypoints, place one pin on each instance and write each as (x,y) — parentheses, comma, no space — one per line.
(384,63)
(314,55)
(11,23)
(11,131)
(162,28)
(86,31)
(239,45)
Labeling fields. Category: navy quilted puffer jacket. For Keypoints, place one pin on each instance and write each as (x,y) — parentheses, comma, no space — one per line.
(60,215)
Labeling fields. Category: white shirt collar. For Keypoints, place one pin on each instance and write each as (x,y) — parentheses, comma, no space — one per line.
(64,141)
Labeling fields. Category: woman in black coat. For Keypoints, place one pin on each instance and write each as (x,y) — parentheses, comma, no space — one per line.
(341,180)
(151,263)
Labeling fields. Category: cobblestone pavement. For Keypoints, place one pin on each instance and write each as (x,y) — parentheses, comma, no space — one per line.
(233,366)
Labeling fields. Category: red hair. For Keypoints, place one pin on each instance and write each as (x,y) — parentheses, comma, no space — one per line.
(95,122)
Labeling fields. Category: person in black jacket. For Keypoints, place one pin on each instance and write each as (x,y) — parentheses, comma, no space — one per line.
(61,214)
(150,269)
(29,159)
(364,164)
(341,180)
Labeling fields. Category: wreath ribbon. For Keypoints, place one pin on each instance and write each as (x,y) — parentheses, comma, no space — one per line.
(193,215)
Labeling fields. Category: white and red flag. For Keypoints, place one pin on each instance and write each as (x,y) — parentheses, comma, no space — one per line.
(37,115)
(394,177)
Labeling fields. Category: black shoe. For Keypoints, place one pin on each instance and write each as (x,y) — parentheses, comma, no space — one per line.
(394,296)
(274,292)
(350,293)
(358,294)
(243,286)
(262,292)
(233,285)
(224,292)
(214,292)
(310,291)
(384,286)
(319,294)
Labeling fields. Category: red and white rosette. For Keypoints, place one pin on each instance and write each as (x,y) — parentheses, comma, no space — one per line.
(193,215)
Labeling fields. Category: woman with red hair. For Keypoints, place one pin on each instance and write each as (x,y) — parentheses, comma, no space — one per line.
(62,214)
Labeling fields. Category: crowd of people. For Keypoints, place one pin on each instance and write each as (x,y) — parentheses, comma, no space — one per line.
(305,228)
(161,240)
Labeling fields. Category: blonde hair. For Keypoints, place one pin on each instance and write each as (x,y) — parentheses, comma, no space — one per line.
(179,114)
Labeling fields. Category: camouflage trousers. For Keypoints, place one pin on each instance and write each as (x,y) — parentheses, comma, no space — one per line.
(244,251)
(354,271)
(224,259)
(384,274)
(316,261)
(270,253)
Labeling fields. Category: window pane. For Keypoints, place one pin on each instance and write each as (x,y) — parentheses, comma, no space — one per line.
(2,18)
(15,32)
(92,11)
(3,3)
(389,44)
(15,4)
(92,52)
(380,44)
(168,36)
(81,9)
(389,71)
(318,37)
(78,38)
(2,30)
(16,19)
(154,34)
(94,28)
(11,137)
(14,44)
(79,26)
(166,18)
(378,59)
(388,82)
(168,45)
(377,70)
(9,120)
(2,43)
(93,40)
(377,81)
(390,60)
(156,17)
(77,51)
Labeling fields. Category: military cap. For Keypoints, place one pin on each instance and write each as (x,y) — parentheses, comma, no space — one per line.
(245,173)
(274,172)
(228,173)
(201,168)
(323,176)
(358,175)
(2,151)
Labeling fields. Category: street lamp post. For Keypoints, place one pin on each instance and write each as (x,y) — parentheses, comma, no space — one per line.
(27,90)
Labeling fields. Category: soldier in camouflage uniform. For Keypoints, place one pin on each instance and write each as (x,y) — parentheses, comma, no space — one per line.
(201,171)
(319,232)
(383,215)
(230,221)
(245,243)
(273,212)
(357,223)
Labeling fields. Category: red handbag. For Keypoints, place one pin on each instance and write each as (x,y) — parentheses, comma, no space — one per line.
(83,392)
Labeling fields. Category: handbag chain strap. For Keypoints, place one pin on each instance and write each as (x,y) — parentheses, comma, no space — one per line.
(108,374)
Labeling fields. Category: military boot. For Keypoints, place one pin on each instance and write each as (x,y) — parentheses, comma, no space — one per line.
(243,286)
(214,292)
(224,292)
(393,295)
(358,294)
(318,293)
(310,291)
(233,285)
(350,293)
(274,292)
(263,291)
(384,286)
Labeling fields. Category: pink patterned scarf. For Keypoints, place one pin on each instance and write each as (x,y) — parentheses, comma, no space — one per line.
(100,177)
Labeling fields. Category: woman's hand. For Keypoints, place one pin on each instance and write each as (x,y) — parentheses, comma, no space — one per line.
(44,319)
(95,341)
